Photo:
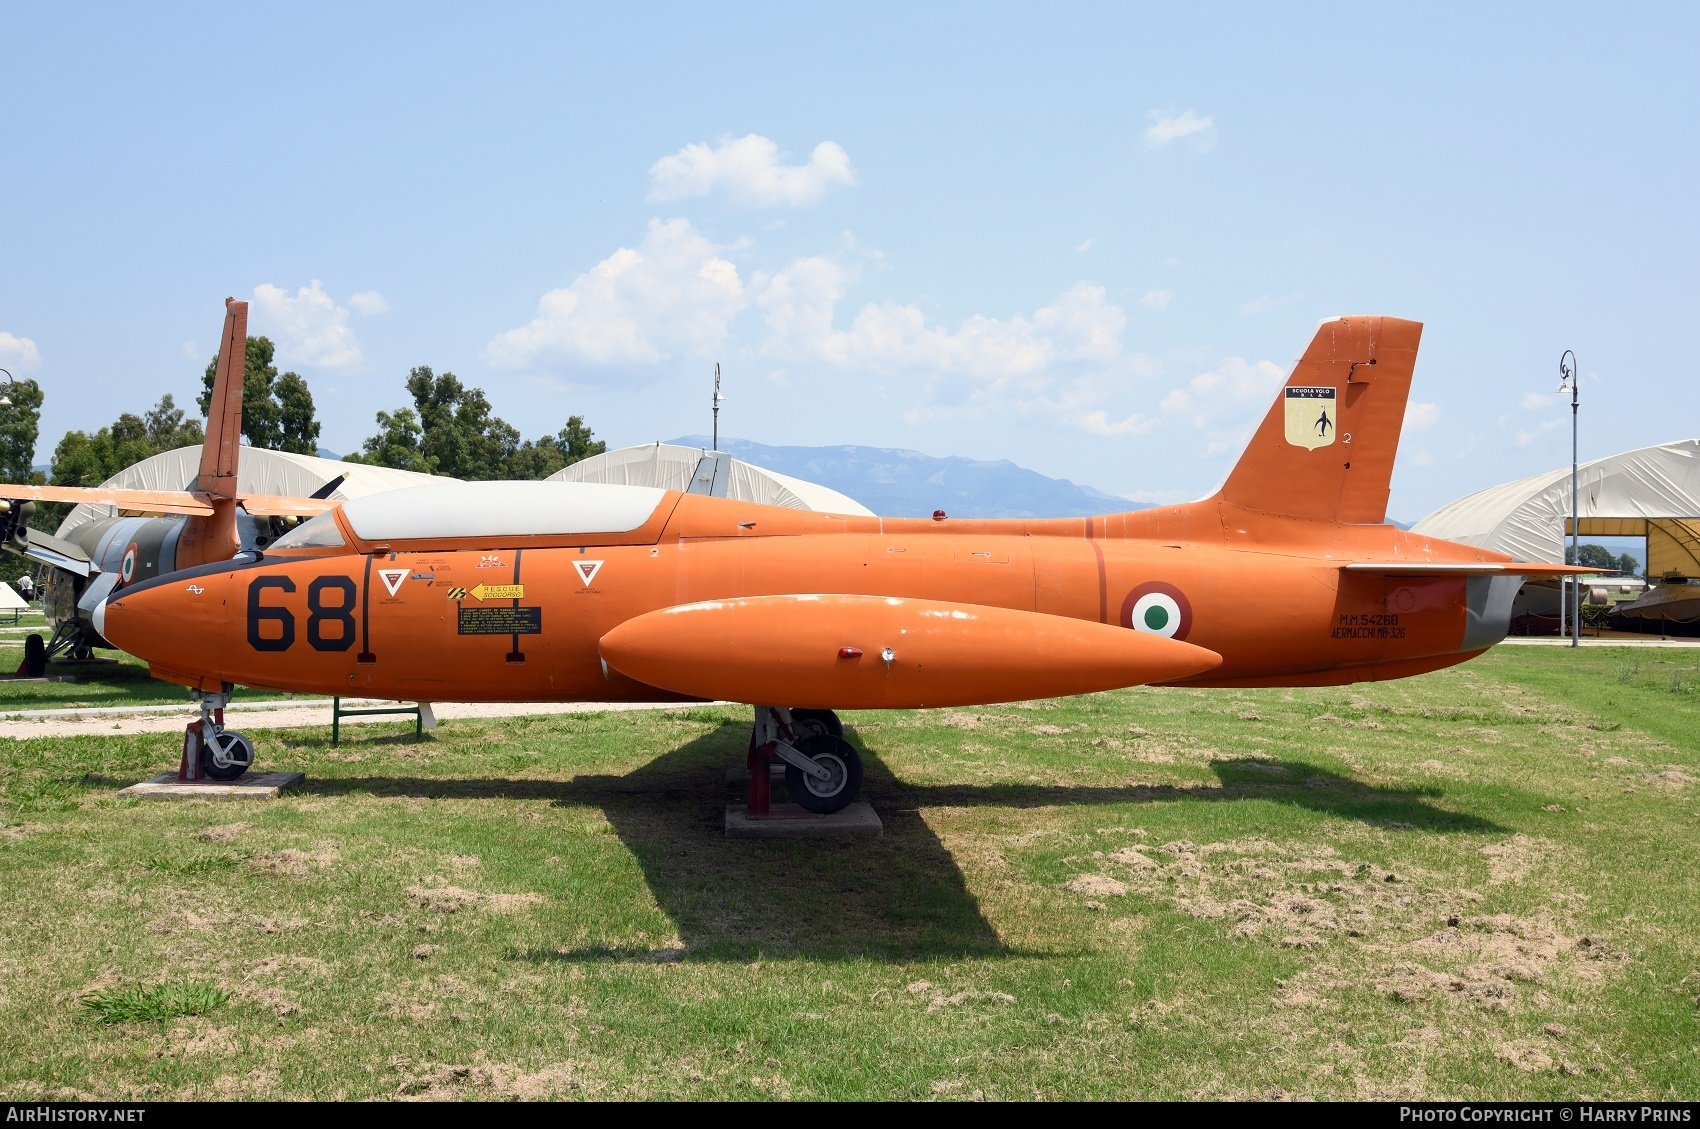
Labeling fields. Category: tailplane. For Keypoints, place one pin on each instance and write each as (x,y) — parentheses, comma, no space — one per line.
(1325,450)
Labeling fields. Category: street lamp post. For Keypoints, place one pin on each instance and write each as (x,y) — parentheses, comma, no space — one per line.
(1568,381)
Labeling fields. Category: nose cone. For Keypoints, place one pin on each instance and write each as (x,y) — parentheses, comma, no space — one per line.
(177,623)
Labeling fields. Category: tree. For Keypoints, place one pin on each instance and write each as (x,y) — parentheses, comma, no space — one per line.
(277,409)
(81,459)
(1591,556)
(1628,565)
(451,430)
(20,426)
(552,452)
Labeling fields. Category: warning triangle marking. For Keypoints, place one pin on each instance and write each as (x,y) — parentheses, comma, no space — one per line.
(392,578)
(587,570)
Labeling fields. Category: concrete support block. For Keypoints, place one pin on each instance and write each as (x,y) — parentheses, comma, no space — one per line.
(250,786)
(788,821)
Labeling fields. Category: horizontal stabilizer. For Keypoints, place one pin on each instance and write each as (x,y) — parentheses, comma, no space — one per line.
(277,505)
(879,652)
(151,501)
(1471,568)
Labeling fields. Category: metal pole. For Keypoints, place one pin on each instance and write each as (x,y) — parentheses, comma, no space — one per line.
(1567,374)
(716,403)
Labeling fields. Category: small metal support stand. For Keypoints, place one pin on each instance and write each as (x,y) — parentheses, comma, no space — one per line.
(423,718)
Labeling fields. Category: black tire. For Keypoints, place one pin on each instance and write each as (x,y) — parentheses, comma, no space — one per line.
(841,758)
(35,656)
(211,770)
(816,723)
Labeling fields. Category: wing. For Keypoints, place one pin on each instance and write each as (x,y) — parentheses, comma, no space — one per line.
(880,652)
(152,501)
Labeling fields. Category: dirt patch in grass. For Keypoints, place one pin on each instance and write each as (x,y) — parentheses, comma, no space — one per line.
(437,895)
(1512,860)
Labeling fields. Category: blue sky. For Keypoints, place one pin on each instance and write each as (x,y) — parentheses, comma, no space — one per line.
(1088,238)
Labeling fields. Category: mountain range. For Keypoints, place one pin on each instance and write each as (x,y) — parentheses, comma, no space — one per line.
(898,483)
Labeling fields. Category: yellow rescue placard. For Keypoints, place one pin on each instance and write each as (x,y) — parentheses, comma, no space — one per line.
(499,592)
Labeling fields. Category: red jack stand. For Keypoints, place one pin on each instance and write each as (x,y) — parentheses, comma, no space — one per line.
(194,741)
(760,758)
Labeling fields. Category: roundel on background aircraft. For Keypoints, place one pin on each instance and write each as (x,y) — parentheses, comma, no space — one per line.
(1158,609)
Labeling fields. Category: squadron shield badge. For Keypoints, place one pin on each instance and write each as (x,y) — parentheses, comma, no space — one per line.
(1310,417)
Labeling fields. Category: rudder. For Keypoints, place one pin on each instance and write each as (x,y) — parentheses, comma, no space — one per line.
(1326,448)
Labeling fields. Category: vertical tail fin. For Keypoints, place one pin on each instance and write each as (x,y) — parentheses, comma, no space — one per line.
(1326,448)
(216,538)
(223,448)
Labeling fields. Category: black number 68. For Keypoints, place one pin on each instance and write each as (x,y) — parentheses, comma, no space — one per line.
(318,617)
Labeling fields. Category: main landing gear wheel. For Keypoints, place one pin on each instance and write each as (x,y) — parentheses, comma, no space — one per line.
(816,723)
(226,755)
(35,656)
(843,765)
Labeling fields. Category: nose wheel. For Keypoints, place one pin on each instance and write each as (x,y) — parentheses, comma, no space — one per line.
(226,755)
(210,751)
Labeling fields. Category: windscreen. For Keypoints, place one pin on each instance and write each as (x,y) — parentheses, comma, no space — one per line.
(318,533)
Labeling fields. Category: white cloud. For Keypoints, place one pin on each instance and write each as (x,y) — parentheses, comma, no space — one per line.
(1099,423)
(191,351)
(368,303)
(1157,299)
(1228,389)
(1267,304)
(1167,126)
(1535,401)
(1420,457)
(981,355)
(747,169)
(1085,245)
(675,292)
(309,328)
(1525,437)
(1062,359)
(1419,416)
(18,354)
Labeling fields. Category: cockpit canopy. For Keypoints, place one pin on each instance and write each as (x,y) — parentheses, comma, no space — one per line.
(492,512)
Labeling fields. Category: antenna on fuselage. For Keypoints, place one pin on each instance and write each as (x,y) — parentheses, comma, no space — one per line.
(716,405)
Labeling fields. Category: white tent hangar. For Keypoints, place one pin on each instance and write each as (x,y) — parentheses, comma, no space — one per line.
(696,470)
(1653,493)
(258,471)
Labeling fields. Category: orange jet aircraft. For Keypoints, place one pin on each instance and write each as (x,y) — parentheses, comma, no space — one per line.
(536,591)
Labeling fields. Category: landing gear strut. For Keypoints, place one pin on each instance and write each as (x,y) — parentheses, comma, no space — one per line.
(823,771)
(209,750)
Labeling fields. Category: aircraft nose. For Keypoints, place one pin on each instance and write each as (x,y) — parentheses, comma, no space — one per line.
(176,624)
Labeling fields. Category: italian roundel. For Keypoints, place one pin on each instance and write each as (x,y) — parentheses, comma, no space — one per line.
(1158,609)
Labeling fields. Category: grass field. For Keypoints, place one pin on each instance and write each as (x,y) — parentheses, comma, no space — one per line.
(1478,883)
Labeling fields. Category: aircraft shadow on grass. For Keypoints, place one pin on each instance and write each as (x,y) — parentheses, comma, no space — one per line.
(901,897)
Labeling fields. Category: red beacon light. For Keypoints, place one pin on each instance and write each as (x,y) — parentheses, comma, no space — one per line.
(938,515)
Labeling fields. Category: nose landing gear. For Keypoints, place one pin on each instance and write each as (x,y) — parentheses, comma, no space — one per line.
(209,750)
